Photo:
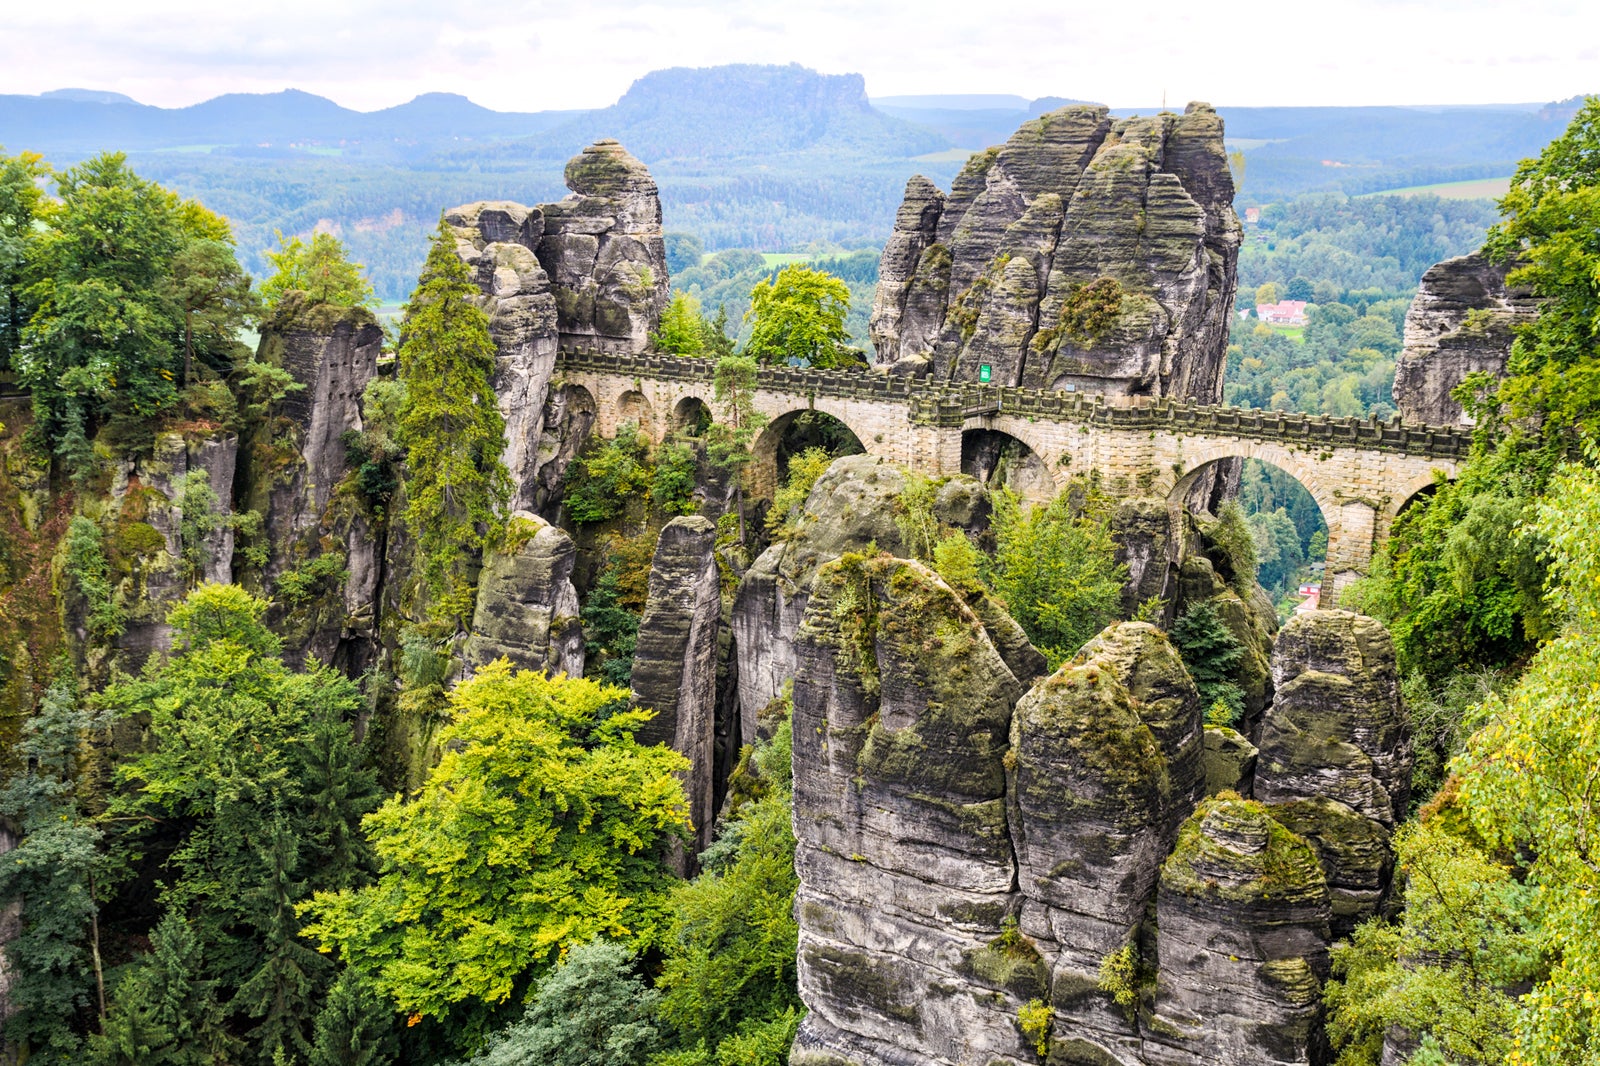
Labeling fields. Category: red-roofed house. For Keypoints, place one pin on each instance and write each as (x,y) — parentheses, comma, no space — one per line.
(1283,313)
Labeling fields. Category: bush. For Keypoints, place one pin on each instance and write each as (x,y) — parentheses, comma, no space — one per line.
(789,502)
(1212,655)
(600,482)
(325,573)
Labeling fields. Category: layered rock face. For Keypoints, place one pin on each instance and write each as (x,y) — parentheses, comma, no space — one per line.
(852,504)
(1164,918)
(527,609)
(1085,253)
(1462,321)
(675,661)
(588,270)
(291,478)
(901,711)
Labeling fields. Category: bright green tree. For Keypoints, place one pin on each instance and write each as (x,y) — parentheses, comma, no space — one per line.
(1056,570)
(799,314)
(540,828)
(214,296)
(732,437)
(450,423)
(22,204)
(320,268)
(682,329)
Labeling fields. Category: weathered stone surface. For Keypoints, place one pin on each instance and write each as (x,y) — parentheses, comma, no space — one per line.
(1105,766)
(498,242)
(1461,321)
(675,663)
(1336,728)
(1355,853)
(901,712)
(1243,915)
(915,227)
(852,505)
(1073,198)
(291,479)
(604,252)
(527,609)
(1142,529)
(148,495)
(1230,761)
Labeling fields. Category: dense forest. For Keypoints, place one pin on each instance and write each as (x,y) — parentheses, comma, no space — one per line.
(232,852)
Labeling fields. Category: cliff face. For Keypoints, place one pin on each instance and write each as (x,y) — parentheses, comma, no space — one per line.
(1461,321)
(972,850)
(1086,252)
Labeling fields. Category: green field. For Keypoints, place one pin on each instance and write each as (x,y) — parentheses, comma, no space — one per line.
(784,258)
(1476,189)
(949,155)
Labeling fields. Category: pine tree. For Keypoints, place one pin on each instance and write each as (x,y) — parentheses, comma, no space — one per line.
(456,485)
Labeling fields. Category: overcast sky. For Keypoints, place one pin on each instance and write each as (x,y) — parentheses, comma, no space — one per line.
(536,55)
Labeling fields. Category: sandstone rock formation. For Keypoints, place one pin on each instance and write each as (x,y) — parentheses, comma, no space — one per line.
(1336,756)
(853,504)
(149,495)
(1243,912)
(1461,321)
(588,270)
(295,466)
(1086,252)
(527,609)
(901,711)
(675,661)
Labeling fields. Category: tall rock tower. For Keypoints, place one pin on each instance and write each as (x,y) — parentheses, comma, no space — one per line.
(1086,253)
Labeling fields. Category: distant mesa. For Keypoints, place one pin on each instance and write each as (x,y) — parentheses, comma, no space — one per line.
(88,96)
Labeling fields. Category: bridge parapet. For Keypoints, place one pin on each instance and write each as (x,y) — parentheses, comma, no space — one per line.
(947,405)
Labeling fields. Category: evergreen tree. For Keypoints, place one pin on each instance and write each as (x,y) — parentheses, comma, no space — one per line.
(164,1011)
(1212,655)
(450,425)
(732,437)
(355,1027)
(53,962)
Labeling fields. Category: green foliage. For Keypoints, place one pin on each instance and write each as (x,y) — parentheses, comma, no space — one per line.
(591,1010)
(672,487)
(958,562)
(1055,568)
(1443,715)
(1341,364)
(164,1012)
(799,315)
(21,205)
(320,268)
(52,870)
(200,517)
(728,981)
(788,503)
(86,565)
(1280,557)
(914,517)
(1035,1018)
(611,618)
(1550,398)
(311,579)
(684,251)
(609,473)
(1502,892)
(355,1027)
(213,295)
(251,770)
(1089,311)
(1212,655)
(449,422)
(538,829)
(114,282)
(1233,541)
(373,452)
(729,440)
(1119,976)
(683,329)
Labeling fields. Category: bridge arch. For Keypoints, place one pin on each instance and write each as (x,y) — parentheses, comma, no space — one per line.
(690,413)
(769,451)
(1005,456)
(633,406)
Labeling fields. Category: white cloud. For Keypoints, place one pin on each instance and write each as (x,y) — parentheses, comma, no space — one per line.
(540,54)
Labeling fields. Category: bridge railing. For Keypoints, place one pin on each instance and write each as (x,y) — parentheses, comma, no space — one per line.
(953,404)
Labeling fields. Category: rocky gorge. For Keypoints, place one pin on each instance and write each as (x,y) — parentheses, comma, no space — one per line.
(998,863)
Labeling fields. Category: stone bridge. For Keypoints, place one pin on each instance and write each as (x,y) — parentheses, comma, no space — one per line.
(1360,473)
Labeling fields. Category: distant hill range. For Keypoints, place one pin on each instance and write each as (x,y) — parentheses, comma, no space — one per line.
(770,157)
